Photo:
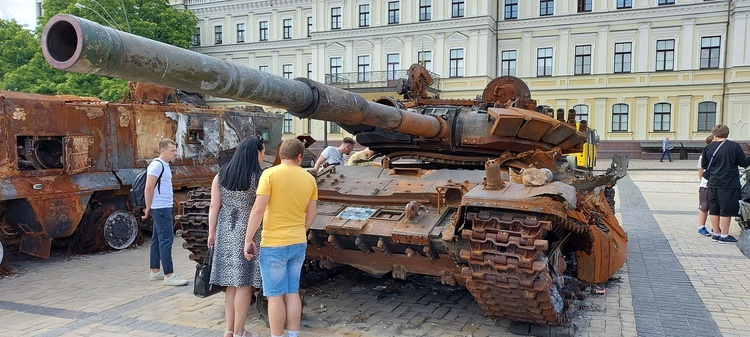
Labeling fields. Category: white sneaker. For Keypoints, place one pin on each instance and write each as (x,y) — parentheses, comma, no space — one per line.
(175,280)
(156,276)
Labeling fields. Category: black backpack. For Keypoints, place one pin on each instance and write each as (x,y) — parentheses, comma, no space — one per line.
(137,195)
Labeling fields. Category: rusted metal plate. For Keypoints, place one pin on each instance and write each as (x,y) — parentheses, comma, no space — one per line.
(534,128)
(507,122)
(417,232)
(77,153)
(379,264)
(478,196)
(558,133)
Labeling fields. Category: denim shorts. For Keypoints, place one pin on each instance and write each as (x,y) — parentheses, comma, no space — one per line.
(280,268)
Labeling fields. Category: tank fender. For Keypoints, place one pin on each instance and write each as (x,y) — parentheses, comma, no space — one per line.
(609,247)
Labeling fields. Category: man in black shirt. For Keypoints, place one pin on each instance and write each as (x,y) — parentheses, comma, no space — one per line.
(719,161)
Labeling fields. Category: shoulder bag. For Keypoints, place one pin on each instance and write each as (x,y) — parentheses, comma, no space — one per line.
(201,286)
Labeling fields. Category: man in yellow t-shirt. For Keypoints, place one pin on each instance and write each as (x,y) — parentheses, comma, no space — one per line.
(286,202)
(361,158)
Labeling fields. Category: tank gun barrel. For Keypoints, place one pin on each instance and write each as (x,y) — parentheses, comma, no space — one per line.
(74,44)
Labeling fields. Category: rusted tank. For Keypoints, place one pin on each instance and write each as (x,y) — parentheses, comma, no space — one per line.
(473,192)
(67,163)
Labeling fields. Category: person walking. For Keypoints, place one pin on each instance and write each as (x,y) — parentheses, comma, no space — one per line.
(286,202)
(159,202)
(719,161)
(703,196)
(665,150)
(335,155)
(232,197)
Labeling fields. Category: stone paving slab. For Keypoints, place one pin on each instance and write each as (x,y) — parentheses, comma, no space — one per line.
(109,294)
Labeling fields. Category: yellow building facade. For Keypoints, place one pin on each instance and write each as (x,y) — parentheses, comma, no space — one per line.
(638,70)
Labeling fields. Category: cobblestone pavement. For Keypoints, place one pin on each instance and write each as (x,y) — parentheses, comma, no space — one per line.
(675,283)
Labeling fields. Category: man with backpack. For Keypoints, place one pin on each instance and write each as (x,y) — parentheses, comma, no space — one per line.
(159,203)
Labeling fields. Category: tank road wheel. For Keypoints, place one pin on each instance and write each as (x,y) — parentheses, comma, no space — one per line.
(507,264)
(120,229)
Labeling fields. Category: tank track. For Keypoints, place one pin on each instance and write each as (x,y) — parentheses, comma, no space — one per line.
(507,270)
(194,223)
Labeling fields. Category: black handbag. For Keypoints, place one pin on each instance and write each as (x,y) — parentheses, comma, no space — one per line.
(201,286)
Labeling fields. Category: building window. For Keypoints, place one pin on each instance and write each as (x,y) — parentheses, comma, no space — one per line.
(623,57)
(287,25)
(287,70)
(710,52)
(582,112)
(197,36)
(425,10)
(457,9)
(706,116)
(240,32)
(583,60)
(425,59)
(218,34)
(263,68)
(393,12)
(335,69)
(309,70)
(393,63)
(662,116)
(336,18)
(546,7)
(584,6)
(666,2)
(334,128)
(309,25)
(508,63)
(511,9)
(363,68)
(620,117)
(288,123)
(621,4)
(664,55)
(364,15)
(263,31)
(544,62)
(456,63)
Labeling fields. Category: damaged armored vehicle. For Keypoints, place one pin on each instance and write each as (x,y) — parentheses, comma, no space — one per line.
(476,193)
(67,162)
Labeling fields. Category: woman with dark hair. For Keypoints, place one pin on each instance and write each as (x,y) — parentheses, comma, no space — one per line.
(232,198)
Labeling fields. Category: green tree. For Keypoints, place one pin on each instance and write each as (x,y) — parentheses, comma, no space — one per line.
(17,46)
(153,19)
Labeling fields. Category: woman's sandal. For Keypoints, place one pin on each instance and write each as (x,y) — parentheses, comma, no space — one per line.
(252,334)
(229,332)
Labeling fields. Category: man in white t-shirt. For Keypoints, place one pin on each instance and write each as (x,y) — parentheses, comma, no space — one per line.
(335,155)
(159,202)
(703,196)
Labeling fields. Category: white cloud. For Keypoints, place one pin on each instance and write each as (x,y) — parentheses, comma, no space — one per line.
(24,11)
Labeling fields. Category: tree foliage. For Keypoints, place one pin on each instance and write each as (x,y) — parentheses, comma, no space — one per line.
(17,46)
(153,19)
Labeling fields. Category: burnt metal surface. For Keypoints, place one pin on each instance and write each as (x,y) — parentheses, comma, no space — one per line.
(431,209)
(67,162)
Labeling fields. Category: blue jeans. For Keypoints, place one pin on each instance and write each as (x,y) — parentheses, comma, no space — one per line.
(281,268)
(162,239)
(665,153)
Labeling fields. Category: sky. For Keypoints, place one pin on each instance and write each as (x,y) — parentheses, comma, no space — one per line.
(24,11)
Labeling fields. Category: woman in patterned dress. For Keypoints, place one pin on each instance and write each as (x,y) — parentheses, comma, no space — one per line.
(232,198)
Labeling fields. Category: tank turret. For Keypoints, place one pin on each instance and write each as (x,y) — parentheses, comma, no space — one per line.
(517,229)
(465,131)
